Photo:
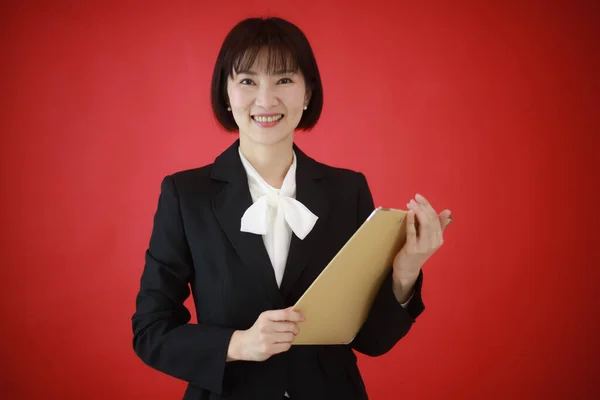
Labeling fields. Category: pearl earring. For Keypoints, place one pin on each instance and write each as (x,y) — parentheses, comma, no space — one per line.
(305,107)
(228,108)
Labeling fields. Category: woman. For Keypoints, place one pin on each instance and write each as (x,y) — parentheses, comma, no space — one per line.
(250,232)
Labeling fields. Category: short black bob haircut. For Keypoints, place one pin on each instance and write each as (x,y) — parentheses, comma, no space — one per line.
(288,50)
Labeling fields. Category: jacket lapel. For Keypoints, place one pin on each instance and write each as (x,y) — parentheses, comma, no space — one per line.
(229,206)
(312,191)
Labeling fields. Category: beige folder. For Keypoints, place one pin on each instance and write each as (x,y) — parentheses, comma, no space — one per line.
(337,303)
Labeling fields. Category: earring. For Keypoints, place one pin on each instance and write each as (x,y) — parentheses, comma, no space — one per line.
(228,108)
(305,107)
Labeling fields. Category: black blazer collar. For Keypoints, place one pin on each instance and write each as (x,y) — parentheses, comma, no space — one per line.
(228,166)
(230,204)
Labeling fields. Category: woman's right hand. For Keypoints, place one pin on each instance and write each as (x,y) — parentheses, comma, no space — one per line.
(272,333)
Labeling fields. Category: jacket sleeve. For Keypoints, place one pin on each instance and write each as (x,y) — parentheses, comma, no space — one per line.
(388,321)
(162,335)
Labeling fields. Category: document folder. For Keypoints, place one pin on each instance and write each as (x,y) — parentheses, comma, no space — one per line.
(337,303)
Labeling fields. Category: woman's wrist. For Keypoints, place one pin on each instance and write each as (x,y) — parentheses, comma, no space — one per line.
(404,289)
(235,346)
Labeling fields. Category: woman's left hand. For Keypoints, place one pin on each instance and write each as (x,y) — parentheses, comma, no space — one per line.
(418,248)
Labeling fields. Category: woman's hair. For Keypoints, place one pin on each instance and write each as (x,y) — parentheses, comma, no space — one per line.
(287,51)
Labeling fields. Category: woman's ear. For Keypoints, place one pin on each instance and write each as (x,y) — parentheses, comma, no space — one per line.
(307,96)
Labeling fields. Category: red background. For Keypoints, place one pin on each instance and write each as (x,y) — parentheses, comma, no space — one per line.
(488,109)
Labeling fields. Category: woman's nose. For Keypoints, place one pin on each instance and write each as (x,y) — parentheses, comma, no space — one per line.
(266,97)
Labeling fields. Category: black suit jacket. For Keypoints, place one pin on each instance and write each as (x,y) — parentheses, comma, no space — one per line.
(196,242)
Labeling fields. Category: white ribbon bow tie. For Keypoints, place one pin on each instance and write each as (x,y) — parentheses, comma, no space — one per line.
(299,218)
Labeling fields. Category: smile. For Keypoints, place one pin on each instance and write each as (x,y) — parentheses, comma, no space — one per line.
(272,118)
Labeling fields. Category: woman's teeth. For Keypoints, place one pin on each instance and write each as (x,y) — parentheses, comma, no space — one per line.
(268,119)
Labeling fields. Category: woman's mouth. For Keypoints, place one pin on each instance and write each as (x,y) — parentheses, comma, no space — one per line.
(267,121)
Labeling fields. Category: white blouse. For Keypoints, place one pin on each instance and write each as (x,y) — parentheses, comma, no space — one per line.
(275,214)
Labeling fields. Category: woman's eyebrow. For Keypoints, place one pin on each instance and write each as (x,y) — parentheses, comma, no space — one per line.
(278,72)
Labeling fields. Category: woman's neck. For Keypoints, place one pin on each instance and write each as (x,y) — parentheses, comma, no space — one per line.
(272,162)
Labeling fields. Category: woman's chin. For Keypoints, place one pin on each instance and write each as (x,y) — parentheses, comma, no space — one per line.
(268,137)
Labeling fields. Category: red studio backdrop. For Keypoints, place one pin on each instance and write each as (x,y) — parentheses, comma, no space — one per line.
(489,109)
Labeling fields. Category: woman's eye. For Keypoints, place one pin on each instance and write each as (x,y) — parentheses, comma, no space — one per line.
(285,80)
(246,81)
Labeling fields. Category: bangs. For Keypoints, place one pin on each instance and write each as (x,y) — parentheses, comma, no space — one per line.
(273,57)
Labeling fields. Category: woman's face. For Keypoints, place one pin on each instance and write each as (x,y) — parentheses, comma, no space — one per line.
(267,108)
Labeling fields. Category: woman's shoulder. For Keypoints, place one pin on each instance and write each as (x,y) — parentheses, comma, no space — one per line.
(339,173)
(190,175)
(190,181)
(343,180)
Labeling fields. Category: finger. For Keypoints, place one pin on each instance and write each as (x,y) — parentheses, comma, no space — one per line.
(423,219)
(422,200)
(411,229)
(286,327)
(430,231)
(445,217)
(431,213)
(422,212)
(286,337)
(433,228)
(287,314)
(438,237)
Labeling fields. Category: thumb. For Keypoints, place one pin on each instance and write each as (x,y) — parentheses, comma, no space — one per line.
(445,218)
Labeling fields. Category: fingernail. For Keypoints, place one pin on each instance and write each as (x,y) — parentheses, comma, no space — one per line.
(419,197)
(414,203)
(408,205)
